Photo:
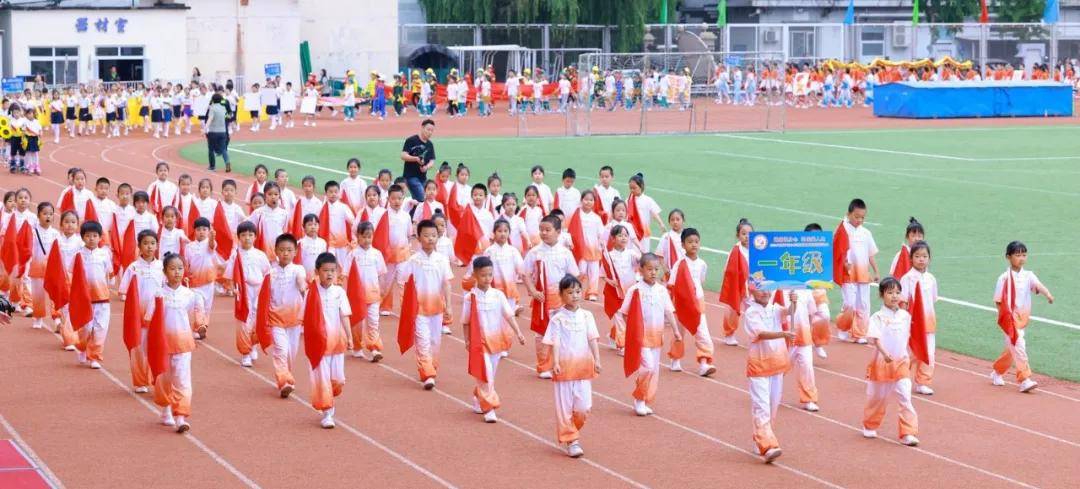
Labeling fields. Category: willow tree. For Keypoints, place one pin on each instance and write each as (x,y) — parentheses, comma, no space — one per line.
(629,16)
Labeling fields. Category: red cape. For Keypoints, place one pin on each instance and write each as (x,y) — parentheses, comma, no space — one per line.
(635,334)
(684,296)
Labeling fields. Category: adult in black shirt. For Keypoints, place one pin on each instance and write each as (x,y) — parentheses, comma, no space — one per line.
(418,153)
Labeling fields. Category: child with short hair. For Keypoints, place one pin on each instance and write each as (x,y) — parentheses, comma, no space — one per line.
(338,220)
(203,263)
(181,312)
(310,246)
(545,266)
(285,312)
(487,311)
(608,194)
(353,186)
(399,226)
(669,247)
(42,243)
(858,269)
(766,362)
(162,191)
(642,210)
(531,213)
(309,202)
(733,291)
(148,271)
(326,318)
(70,245)
(568,198)
(547,199)
(801,357)
(657,312)
(258,186)
(888,373)
(507,264)
(250,265)
(1013,298)
(171,237)
(430,271)
(97,265)
(920,276)
(426,209)
(104,208)
(620,267)
(572,336)
(703,343)
(371,269)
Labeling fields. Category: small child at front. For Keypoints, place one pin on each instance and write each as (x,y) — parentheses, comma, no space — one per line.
(1013,296)
(888,373)
(328,375)
(431,272)
(495,316)
(182,307)
(919,274)
(288,284)
(657,312)
(766,362)
(575,353)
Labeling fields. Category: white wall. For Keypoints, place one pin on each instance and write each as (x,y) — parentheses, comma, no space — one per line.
(156,30)
(362,36)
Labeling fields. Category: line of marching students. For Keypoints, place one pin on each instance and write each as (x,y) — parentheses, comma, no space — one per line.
(318,272)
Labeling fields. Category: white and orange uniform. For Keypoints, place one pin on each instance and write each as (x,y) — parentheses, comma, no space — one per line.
(123,215)
(532,215)
(571,332)
(625,263)
(202,265)
(353,189)
(309,206)
(508,266)
(169,240)
(163,193)
(635,241)
(342,222)
(151,278)
(731,319)
(69,247)
(519,237)
(142,222)
(492,203)
(703,343)
(81,197)
(369,214)
(97,263)
(766,362)
(105,208)
(924,374)
(256,266)
(328,378)
(400,226)
(372,269)
(256,187)
(670,249)
(425,210)
(557,262)
(286,315)
(288,199)
(802,350)
(206,207)
(384,195)
(463,197)
(183,309)
(41,244)
(567,200)
(234,215)
(890,381)
(655,307)
(1024,282)
(607,197)
(595,243)
(547,199)
(820,322)
(310,249)
(856,292)
(270,222)
(495,313)
(649,211)
(445,246)
(431,274)
(185,201)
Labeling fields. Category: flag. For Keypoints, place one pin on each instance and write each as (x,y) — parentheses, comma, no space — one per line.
(251,192)
(538,320)
(599,207)
(223,238)
(90,212)
(1051,12)
(67,200)
(345,200)
(915,12)
(298,259)
(314,326)
(9,253)
(684,296)
(262,316)
(115,245)
(733,288)
(903,262)
(440,193)
(663,11)
(426,213)
(613,295)
(984,16)
(839,254)
(80,311)
(409,310)
(635,217)
(261,243)
(380,239)
(55,277)
(189,219)
(468,235)
(453,207)
(157,352)
(477,367)
(672,253)
(132,315)
(128,247)
(917,339)
(324,222)
(1007,310)
(849,16)
(241,308)
(354,288)
(577,235)
(297,225)
(155,200)
(721,13)
(635,334)
(25,241)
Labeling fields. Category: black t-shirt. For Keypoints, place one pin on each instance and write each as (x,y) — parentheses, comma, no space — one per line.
(416,147)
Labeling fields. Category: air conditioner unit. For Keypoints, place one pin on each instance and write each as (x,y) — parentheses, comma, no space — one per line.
(900,37)
(770,36)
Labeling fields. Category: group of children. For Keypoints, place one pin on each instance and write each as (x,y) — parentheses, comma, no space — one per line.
(319,271)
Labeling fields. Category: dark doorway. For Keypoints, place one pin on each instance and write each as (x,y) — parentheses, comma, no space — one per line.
(126,69)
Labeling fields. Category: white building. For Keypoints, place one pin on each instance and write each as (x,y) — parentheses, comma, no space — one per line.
(76,41)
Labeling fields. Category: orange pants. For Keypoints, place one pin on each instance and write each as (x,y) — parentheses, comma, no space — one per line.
(544,362)
(802,362)
(879,394)
(367,329)
(1014,354)
(140,366)
(648,375)
(92,336)
(427,340)
(573,401)
(703,344)
(765,395)
(485,391)
(924,373)
(327,381)
(173,387)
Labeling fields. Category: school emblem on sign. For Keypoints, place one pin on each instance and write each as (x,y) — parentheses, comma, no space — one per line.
(791,260)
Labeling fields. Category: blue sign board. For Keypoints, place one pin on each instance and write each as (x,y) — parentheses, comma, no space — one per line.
(12,85)
(272,69)
(790,259)
(732,60)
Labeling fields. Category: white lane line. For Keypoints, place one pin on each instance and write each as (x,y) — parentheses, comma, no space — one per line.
(39,464)
(373,442)
(842,146)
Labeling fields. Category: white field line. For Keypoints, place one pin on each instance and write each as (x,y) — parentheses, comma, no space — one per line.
(852,148)
(39,464)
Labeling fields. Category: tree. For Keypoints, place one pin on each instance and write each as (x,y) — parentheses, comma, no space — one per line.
(628,16)
(1019,10)
(949,11)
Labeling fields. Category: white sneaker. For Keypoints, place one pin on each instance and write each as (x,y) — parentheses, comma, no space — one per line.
(429,384)
(812,407)
(869,433)
(359,354)
(254,353)
(446,330)
(246,361)
(476,406)
(861,341)
(771,454)
(820,350)
(167,417)
(996,379)
(182,425)
(81,356)
(706,369)
(376,355)
(490,417)
(574,450)
(924,390)
(1027,385)
(37,324)
(676,366)
(142,390)
(95,365)
(545,375)
(621,352)
(910,440)
(327,419)
(843,335)
(730,341)
(69,348)
(611,343)
(640,408)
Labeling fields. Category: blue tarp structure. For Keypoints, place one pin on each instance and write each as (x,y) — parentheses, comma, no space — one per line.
(941,100)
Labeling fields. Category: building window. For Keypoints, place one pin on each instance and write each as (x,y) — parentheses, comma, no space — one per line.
(58,65)
(803,45)
(872,41)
